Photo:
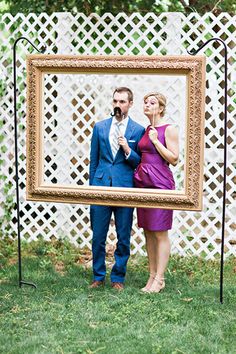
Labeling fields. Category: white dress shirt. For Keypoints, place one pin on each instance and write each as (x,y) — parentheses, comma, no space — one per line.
(123,126)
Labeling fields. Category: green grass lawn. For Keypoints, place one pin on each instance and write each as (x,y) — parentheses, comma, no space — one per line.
(63,316)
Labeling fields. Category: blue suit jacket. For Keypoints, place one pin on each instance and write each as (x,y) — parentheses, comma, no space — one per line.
(104,169)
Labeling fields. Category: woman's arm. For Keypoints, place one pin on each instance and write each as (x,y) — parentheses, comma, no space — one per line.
(171,152)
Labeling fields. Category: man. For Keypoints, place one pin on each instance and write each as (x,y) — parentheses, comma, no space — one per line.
(113,159)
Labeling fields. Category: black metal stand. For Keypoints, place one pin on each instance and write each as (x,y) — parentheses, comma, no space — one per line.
(21,282)
(225,156)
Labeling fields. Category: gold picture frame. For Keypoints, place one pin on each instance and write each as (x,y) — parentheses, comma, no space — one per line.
(193,71)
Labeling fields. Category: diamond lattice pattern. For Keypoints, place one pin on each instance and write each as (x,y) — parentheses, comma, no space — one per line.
(72,104)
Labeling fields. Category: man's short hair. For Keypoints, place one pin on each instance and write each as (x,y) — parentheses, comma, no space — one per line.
(125,89)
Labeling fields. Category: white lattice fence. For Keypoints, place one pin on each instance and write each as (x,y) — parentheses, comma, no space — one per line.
(168,33)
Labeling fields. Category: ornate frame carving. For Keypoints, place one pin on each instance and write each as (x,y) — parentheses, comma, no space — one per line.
(192,67)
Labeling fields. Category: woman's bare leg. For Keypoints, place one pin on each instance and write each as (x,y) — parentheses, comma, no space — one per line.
(162,259)
(151,245)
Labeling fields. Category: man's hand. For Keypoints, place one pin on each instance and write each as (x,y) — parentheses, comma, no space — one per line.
(123,143)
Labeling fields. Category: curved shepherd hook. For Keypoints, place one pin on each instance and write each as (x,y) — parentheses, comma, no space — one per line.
(16,158)
(225,156)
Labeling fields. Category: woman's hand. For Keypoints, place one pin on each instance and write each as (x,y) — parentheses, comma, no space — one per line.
(153,135)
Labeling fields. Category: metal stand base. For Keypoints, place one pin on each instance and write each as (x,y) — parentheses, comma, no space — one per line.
(26,283)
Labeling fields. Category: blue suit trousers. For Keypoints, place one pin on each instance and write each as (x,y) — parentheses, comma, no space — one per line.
(100,221)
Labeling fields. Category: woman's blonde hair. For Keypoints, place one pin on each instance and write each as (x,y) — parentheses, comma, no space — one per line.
(161,100)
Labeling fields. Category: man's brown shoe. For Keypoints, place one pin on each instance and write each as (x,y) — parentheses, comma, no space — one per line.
(118,286)
(97,284)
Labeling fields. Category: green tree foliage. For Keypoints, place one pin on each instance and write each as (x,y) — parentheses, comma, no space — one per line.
(203,6)
(113,6)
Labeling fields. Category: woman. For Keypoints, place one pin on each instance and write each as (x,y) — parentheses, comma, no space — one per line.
(159,147)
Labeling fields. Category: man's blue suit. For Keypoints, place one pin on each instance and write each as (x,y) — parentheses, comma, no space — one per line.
(117,172)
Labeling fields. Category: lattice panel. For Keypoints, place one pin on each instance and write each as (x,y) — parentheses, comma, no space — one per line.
(68,111)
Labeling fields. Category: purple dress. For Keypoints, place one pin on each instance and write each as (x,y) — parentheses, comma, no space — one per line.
(154,172)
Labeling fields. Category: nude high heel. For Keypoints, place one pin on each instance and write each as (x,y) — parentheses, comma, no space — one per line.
(158,285)
(149,283)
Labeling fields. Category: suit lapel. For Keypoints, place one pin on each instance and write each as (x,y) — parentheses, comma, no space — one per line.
(129,129)
(106,132)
